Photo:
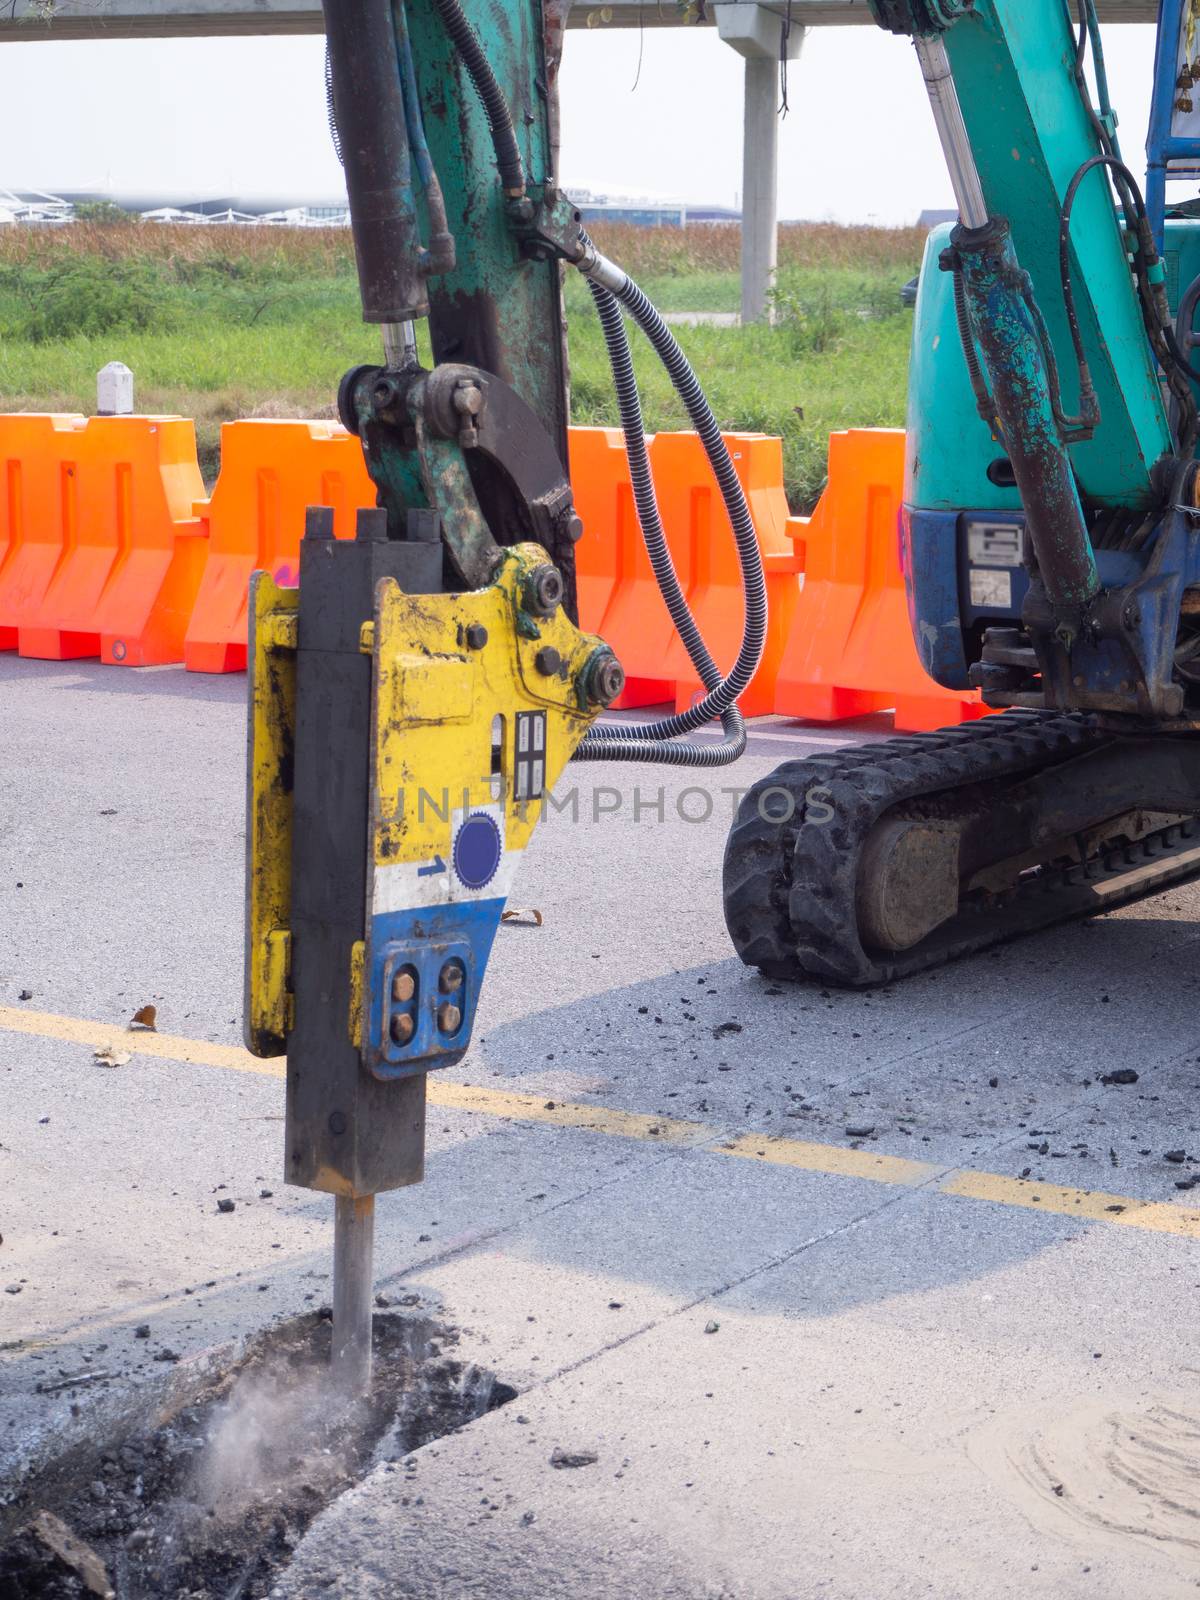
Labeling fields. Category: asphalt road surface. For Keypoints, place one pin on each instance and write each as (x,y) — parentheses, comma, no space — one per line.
(951,1356)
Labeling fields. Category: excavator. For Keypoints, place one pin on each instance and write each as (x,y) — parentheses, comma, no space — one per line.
(1048,537)
(414,700)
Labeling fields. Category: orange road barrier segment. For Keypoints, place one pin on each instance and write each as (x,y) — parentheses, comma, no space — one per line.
(31,514)
(701,542)
(106,547)
(618,593)
(271,472)
(104,555)
(604,500)
(850,648)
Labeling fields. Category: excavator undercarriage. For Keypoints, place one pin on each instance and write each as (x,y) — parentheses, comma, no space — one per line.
(876,862)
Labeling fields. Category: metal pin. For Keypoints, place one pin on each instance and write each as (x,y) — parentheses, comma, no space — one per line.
(399,344)
(353,1282)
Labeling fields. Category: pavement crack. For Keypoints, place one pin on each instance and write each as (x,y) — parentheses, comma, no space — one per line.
(760,1269)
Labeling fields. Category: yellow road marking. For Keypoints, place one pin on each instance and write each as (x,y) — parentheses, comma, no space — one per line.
(167,1046)
(831,1158)
(802,1155)
(565,1113)
(1153,1216)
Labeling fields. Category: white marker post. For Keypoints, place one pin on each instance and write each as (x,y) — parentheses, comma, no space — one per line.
(114,390)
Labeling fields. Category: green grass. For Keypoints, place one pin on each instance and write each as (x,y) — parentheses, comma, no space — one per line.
(698,291)
(219,324)
(824,365)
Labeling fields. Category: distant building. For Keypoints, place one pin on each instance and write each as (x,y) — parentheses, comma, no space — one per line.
(286,210)
(934,219)
(325,211)
(33,206)
(643,211)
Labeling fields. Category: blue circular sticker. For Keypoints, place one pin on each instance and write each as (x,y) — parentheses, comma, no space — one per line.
(477,851)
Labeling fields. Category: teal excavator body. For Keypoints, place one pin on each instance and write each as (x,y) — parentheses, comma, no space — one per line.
(962,530)
(1046,557)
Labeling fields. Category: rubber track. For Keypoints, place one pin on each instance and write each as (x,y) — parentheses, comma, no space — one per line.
(789,885)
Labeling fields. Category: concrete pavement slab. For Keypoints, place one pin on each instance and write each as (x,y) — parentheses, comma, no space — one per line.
(918,1361)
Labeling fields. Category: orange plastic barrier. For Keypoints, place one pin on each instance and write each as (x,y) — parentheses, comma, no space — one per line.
(603,499)
(107,548)
(618,594)
(31,514)
(99,553)
(850,649)
(271,472)
(701,541)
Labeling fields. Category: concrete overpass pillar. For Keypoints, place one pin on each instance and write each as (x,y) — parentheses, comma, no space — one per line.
(757,36)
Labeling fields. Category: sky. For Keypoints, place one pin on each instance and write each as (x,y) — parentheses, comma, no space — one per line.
(247,116)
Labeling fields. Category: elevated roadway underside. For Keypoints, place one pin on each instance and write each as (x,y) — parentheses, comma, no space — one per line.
(148,19)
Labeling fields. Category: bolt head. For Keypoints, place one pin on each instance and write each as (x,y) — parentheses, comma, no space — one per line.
(450,979)
(385,394)
(548,661)
(476,636)
(449,1018)
(544,590)
(468,399)
(403,1027)
(404,986)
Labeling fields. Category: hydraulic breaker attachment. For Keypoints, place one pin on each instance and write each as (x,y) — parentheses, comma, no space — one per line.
(401,745)
(414,702)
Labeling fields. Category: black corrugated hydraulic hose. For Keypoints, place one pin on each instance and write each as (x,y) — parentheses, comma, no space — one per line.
(653,741)
(466,42)
(721,693)
(984,403)
(329,111)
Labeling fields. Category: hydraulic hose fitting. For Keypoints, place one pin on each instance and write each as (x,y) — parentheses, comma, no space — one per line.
(603,678)
(599,269)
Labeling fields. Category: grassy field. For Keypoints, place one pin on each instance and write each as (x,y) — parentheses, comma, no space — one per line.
(219,323)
